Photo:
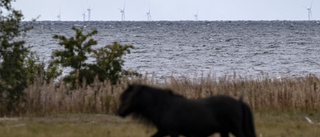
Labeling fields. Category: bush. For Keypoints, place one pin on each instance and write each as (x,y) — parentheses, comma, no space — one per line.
(74,54)
(109,61)
(108,64)
(13,70)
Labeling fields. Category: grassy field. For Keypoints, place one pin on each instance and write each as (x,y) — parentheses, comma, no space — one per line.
(268,124)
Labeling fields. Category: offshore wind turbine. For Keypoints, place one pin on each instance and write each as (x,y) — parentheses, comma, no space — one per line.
(84,16)
(89,13)
(196,15)
(84,12)
(309,11)
(59,15)
(122,11)
(149,13)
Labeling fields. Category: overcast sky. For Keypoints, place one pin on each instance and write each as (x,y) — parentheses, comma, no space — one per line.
(136,10)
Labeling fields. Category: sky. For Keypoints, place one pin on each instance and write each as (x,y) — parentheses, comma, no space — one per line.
(172,10)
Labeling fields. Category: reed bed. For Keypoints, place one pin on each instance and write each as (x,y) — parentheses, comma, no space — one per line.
(261,93)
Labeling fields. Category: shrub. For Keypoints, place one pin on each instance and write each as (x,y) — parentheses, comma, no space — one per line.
(13,70)
(109,61)
(74,54)
(108,65)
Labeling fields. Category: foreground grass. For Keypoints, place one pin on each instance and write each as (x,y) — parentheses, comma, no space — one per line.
(286,124)
(268,124)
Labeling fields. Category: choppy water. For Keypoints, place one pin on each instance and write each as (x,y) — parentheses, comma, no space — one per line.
(250,48)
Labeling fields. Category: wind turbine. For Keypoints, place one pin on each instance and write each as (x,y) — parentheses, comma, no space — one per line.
(122,11)
(59,15)
(84,16)
(84,13)
(89,13)
(149,14)
(309,10)
(196,15)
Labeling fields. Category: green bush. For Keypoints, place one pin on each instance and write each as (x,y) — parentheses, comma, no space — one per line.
(74,54)
(13,70)
(108,64)
(109,61)
(19,67)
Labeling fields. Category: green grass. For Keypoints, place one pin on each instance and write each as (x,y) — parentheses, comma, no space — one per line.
(287,124)
(75,125)
(269,124)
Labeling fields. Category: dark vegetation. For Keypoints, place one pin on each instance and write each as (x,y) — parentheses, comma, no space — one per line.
(13,56)
(108,64)
(20,68)
(175,115)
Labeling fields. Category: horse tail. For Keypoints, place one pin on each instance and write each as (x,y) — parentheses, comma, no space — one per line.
(248,126)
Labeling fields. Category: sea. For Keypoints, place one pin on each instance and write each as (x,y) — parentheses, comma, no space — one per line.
(196,49)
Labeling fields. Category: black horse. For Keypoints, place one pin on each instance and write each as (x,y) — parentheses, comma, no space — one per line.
(175,115)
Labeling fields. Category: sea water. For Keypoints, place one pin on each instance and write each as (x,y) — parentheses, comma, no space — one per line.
(195,48)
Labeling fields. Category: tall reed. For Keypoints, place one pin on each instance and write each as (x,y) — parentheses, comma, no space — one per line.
(261,93)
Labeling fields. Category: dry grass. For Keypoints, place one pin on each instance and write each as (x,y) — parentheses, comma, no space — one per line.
(261,93)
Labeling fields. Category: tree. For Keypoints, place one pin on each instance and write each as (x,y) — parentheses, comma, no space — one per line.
(75,49)
(108,65)
(109,61)
(13,78)
(74,54)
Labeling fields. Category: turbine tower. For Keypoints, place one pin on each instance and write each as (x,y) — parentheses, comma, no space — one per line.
(149,13)
(309,11)
(196,15)
(59,15)
(89,13)
(84,12)
(122,11)
(84,16)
